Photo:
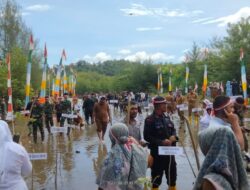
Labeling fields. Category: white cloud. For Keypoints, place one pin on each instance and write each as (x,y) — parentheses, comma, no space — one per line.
(244,12)
(99,57)
(143,56)
(137,10)
(142,29)
(141,10)
(186,50)
(181,58)
(124,51)
(139,56)
(25,13)
(202,20)
(38,7)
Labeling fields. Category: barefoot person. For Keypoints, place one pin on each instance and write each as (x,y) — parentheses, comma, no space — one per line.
(102,117)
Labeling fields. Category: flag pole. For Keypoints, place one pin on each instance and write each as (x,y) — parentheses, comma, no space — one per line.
(10,115)
(243,76)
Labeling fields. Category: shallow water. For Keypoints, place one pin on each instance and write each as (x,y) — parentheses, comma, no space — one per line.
(67,169)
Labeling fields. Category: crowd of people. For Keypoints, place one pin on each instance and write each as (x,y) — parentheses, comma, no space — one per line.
(222,138)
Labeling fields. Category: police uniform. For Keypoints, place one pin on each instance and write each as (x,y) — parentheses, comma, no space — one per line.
(36,114)
(157,128)
(48,111)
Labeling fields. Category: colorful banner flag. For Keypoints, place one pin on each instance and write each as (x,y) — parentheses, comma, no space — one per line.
(27,90)
(70,86)
(58,82)
(159,83)
(65,83)
(243,76)
(170,81)
(74,86)
(204,87)
(44,80)
(10,116)
(53,88)
(187,74)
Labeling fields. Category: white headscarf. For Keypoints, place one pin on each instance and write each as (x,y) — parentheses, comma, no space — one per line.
(5,137)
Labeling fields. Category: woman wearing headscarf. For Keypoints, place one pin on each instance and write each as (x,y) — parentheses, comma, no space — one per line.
(223,165)
(125,163)
(14,161)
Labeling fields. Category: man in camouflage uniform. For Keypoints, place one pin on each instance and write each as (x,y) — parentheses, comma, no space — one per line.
(170,101)
(179,99)
(29,108)
(58,108)
(48,112)
(192,99)
(37,119)
(66,109)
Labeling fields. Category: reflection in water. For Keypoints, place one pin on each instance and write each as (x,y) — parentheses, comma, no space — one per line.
(97,162)
(67,169)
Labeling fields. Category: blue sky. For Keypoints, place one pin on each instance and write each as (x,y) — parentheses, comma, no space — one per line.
(99,30)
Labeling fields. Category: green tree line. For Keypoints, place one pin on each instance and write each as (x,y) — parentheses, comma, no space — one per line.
(119,75)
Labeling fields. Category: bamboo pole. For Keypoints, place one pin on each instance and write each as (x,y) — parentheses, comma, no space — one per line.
(193,143)
(189,162)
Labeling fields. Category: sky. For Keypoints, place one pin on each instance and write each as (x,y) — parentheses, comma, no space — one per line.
(135,30)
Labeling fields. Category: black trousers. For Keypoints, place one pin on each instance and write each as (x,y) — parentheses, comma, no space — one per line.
(163,164)
(88,114)
(49,122)
(62,120)
(58,117)
(38,123)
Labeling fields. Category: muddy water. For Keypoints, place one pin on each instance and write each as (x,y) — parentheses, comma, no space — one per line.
(73,162)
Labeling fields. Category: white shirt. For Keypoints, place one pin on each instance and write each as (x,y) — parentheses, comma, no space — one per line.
(14,161)
(16,165)
(205,120)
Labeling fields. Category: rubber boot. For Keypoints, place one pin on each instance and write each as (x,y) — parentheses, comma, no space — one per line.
(172,188)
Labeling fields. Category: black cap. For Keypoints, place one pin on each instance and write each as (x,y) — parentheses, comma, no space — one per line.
(65,93)
(159,100)
(46,96)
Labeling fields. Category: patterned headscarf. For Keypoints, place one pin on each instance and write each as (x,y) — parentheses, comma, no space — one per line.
(124,164)
(223,165)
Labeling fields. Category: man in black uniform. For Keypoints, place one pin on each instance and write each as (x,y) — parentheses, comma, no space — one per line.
(159,131)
